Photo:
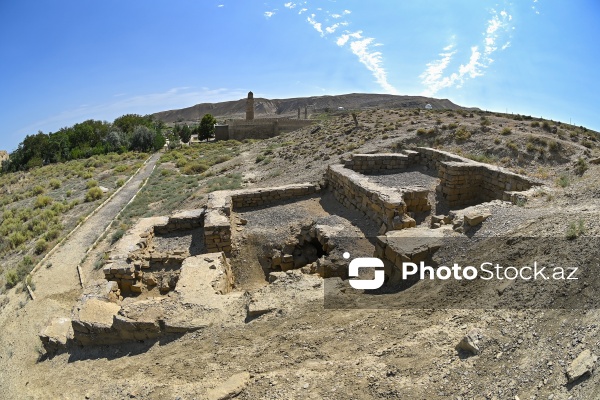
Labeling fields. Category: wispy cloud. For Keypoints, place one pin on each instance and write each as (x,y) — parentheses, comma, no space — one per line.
(221,5)
(362,47)
(433,77)
(317,25)
(269,14)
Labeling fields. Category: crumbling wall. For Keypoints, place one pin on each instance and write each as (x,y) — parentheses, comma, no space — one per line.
(263,128)
(129,262)
(384,205)
(462,181)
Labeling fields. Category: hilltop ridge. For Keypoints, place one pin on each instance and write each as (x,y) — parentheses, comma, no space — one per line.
(289,107)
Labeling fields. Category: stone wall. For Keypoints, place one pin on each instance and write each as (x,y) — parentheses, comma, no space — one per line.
(264,196)
(385,206)
(377,163)
(101,317)
(462,181)
(129,262)
(238,129)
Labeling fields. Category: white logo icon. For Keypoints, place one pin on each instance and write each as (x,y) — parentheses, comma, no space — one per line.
(366,284)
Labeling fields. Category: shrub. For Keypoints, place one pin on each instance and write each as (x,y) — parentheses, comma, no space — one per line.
(497,141)
(40,246)
(42,201)
(16,239)
(581,166)
(535,124)
(553,145)
(55,183)
(52,234)
(575,229)
(546,126)
(260,158)
(563,181)
(117,235)
(69,193)
(120,183)
(462,134)
(195,167)
(421,131)
(93,194)
(38,190)
(512,146)
(120,168)
(12,278)
(506,131)
(91,183)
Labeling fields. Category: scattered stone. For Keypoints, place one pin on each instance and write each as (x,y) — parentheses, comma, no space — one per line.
(475,218)
(581,366)
(470,343)
(231,388)
(56,335)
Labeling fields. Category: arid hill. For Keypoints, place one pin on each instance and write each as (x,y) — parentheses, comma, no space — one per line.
(289,107)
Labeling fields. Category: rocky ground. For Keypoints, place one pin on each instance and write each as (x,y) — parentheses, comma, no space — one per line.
(303,349)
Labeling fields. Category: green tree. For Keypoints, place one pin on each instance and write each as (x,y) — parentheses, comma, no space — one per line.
(207,127)
(142,138)
(159,141)
(185,134)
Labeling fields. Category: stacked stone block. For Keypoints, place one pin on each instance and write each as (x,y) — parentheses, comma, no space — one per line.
(384,205)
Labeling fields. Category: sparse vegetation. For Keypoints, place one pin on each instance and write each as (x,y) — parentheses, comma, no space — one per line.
(576,229)
(93,194)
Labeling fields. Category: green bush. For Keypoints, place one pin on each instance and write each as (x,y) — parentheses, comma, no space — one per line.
(120,182)
(16,239)
(12,278)
(563,181)
(42,201)
(462,134)
(506,131)
(38,190)
(91,183)
(55,183)
(93,194)
(195,167)
(575,229)
(535,124)
(581,166)
(40,246)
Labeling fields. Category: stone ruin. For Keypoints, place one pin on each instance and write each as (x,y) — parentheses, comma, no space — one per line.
(171,275)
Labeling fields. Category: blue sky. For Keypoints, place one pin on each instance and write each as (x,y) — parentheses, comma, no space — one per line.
(64,61)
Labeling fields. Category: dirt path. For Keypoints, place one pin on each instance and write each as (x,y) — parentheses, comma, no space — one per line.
(56,289)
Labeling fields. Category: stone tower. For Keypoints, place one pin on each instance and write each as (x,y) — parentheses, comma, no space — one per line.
(250,106)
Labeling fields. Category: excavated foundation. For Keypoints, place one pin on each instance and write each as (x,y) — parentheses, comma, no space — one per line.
(174,274)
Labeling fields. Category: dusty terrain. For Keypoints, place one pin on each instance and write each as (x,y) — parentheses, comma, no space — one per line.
(304,350)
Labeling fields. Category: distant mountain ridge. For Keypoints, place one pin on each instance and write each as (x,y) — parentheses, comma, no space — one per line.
(268,108)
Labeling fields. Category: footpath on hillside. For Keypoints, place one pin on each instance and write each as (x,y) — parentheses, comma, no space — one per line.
(56,289)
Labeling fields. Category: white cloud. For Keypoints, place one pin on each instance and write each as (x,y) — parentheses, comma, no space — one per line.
(343,39)
(362,47)
(317,25)
(221,5)
(289,5)
(373,60)
(433,77)
(269,14)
